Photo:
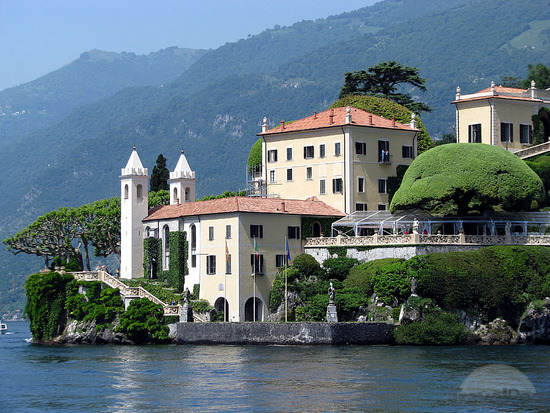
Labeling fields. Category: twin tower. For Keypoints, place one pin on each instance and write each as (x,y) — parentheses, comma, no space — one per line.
(134,207)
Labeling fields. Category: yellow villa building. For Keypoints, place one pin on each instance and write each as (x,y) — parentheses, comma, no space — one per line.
(502,116)
(343,156)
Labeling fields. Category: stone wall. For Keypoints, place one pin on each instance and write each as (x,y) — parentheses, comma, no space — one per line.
(376,253)
(284,333)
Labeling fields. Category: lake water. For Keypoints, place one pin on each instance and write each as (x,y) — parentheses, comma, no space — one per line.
(264,378)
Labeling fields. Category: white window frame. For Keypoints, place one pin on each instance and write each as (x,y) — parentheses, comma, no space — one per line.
(211,264)
(289,170)
(337,148)
(322,186)
(272,176)
(291,153)
(361,187)
(360,148)
(322,150)
(309,173)
(383,182)
(272,155)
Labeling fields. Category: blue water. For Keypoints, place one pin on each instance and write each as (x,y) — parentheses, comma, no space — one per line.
(256,378)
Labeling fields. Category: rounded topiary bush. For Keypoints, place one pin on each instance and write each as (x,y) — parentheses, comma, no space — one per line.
(255,156)
(468,178)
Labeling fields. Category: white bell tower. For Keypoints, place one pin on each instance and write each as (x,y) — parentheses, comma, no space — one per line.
(182,182)
(134,193)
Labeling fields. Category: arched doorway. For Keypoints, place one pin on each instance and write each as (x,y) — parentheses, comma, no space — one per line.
(544,116)
(316,229)
(249,309)
(219,307)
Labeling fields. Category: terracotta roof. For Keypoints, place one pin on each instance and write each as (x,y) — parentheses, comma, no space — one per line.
(310,207)
(504,89)
(527,99)
(336,118)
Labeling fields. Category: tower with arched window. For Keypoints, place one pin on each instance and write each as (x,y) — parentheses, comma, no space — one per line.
(182,182)
(134,192)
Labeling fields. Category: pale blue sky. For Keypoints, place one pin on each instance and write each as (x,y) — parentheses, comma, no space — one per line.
(38,36)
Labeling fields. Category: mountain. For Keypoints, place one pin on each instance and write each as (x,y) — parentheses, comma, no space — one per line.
(93,76)
(214,109)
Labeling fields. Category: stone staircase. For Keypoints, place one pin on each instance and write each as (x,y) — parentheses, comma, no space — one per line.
(533,150)
(128,293)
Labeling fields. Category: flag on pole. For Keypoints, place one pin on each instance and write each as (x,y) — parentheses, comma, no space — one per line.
(287,250)
(256,248)
(226,252)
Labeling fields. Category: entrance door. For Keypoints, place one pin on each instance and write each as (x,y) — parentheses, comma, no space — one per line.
(249,310)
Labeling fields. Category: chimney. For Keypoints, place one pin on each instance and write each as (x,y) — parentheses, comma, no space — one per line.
(331,117)
(493,91)
(533,90)
(348,114)
(315,114)
(264,125)
(283,206)
(458,90)
(283,124)
(370,119)
(393,122)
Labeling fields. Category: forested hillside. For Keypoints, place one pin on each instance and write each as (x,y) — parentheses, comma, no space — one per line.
(214,109)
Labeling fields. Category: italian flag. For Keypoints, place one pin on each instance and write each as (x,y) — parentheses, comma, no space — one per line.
(256,248)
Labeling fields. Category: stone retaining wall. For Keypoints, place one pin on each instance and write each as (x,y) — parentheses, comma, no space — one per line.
(284,333)
(406,252)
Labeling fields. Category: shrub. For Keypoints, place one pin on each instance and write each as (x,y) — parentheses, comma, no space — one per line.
(361,275)
(392,281)
(143,321)
(439,329)
(306,266)
(338,268)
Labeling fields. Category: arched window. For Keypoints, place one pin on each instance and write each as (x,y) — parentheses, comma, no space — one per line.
(176,195)
(147,232)
(193,246)
(139,191)
(166,247)
(187,194)
(126,191)
(316,229)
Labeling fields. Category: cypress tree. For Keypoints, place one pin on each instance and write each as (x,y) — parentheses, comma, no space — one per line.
(160,175)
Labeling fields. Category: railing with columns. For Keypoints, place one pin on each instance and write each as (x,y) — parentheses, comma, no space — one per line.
(415,239)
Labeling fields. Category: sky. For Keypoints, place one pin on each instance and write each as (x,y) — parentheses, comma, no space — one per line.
(39,36)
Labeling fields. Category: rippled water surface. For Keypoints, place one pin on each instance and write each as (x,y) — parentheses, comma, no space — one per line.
(258,378)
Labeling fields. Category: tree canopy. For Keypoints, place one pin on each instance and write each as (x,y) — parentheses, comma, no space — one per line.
(160,175)
(539,73)
(67,233)
(468,178)
(382,80)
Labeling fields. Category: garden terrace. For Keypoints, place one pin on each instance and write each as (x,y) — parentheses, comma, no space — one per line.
(420,227)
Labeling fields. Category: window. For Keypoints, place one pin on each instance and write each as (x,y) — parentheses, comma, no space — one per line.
(139,191)
(309,152)
(257,263)
(280,260)
(506,132)
(382,207)
(360,206)
(322,187)
(360,184)
(193,246)
(126,191)
(256,231)
(228,232)
(360,148)
(474,133)
(210,233)
(407,152)
(288,154)
(322,150)
(293,232)
(382,186)
(228,264)
(211,264)
(272,176)
(289,174)
(272,155)
(337,149)
(309,173)
(383,151)
(193,260)
(337,185)
(525,134)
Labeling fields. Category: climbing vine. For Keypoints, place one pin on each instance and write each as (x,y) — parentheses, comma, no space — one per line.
(178,259)
(307,226)
(152,255)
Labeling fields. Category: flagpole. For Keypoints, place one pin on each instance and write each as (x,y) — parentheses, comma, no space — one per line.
(225,284)
(254,275)
(286,283)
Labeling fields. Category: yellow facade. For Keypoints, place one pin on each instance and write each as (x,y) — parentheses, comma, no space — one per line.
(351,154)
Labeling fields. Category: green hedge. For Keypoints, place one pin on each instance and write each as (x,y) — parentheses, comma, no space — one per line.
(178,259)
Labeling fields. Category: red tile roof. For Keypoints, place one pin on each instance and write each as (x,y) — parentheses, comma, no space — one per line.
(310,207)
(504,89)
(336,118)
(502,92)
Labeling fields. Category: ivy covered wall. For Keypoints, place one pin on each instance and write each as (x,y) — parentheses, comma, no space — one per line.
(326,226)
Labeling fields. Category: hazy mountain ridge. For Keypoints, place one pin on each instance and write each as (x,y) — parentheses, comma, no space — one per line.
(93,76)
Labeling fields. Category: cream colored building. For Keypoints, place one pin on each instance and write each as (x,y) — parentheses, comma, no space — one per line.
(222,235)
(236,245)
(343,156)
(501,116)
